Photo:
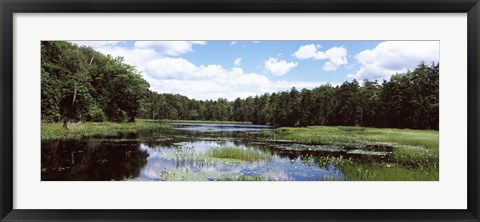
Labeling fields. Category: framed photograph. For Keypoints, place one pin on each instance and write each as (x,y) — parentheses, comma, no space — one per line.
(229,110)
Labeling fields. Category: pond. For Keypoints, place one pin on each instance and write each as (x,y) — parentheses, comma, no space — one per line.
(192,152)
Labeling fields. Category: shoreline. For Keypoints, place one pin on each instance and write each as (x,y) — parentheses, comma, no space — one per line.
(51,131)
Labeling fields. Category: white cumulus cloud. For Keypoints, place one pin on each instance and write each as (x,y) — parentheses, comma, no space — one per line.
(133,56)
(171,48)
(170,68)
(177,75)
(279,67)
(307,51)
(335,56)
(142,52)
(237,61)
(391,57)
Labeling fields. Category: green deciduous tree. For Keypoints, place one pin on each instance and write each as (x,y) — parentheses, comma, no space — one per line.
(81,84)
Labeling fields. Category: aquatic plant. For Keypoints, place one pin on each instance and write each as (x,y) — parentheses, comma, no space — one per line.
(240,153)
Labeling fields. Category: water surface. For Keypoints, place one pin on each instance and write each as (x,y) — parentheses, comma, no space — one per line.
(183,152)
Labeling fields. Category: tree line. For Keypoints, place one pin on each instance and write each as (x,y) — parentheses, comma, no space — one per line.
(407,100)
(81,84)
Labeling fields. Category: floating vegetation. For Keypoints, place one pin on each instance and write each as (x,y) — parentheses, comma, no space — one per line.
(366,152)
(326,161)
(305,147)
(183,174)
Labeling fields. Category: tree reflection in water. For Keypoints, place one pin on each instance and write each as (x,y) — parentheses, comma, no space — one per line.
(91,159)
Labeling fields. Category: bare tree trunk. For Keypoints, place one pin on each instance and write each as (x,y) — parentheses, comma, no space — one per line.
(74,97)
(67,118)
(65,125)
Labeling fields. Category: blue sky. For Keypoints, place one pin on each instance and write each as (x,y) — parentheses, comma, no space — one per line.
(231,69)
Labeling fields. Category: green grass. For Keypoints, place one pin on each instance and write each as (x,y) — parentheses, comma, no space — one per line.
(383,173)
(239,153)
(203,121)
(76,130)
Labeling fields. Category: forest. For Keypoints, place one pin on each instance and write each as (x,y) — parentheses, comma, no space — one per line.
(80,84)
(408,100)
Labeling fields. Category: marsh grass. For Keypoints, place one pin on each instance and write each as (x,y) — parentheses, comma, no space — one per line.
(414,142)
(239,153)
(388,173)
(82,129)
(415,153)
(345,134)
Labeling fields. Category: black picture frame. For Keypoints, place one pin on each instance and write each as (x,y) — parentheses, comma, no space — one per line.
(9,7)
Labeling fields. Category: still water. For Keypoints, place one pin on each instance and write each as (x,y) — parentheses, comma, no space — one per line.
(185,151)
